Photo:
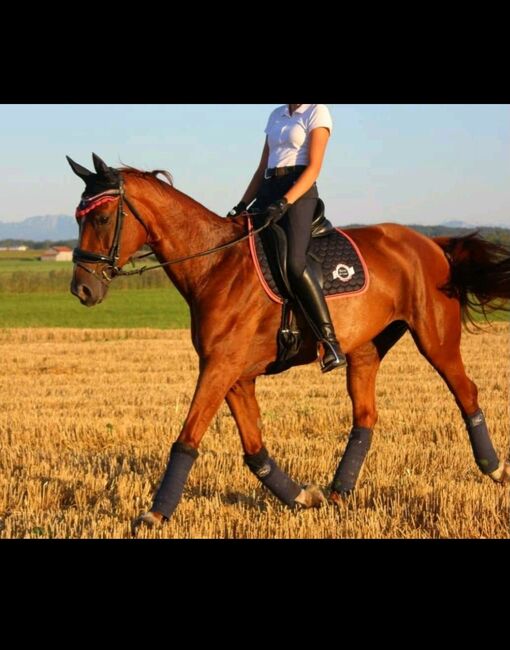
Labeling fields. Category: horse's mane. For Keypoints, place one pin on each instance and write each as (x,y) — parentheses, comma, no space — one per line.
(165,188)
(151,177)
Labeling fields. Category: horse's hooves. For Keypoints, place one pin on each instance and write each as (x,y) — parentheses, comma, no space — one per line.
(310,496)
(338,497)
(149,519)
(502,474)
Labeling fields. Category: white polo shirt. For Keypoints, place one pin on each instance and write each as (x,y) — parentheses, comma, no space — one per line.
(288,136)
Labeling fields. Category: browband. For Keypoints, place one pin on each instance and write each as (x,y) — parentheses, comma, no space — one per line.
(90,203)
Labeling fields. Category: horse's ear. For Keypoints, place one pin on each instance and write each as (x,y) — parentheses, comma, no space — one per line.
(100,166)
(80,171)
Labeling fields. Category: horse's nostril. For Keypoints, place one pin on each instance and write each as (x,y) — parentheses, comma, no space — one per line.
(85,291)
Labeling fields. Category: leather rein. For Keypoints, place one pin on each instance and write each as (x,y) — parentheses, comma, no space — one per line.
(81,256)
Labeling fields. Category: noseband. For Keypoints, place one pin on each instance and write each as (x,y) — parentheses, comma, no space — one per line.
(81,256)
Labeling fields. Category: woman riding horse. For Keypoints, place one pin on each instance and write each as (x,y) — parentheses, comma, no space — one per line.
(420,285)
(284,185)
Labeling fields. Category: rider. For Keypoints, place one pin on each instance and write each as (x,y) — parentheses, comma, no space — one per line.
(284,185)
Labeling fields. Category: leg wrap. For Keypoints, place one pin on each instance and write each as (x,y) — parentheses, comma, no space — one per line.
(484,453)
(169,493)
(268,472)
(350,466)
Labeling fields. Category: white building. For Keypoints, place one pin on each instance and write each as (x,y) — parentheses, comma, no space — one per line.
(57,254)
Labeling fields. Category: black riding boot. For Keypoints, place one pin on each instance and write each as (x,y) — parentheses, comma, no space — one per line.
(312,302)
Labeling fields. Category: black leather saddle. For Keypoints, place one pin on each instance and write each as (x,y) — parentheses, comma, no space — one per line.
(275,243)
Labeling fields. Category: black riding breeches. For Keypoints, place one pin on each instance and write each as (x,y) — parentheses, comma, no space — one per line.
(296,222)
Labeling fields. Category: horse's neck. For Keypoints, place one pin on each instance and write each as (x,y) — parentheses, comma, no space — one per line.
(181,226)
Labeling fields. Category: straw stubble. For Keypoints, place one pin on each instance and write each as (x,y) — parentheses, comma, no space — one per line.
(87,418)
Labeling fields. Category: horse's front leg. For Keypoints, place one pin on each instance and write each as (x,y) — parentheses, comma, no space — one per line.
(217,374)
(361,376)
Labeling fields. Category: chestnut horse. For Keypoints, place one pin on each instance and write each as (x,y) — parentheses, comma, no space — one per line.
(417,284)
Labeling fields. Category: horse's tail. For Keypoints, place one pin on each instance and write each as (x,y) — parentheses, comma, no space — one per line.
(479,275)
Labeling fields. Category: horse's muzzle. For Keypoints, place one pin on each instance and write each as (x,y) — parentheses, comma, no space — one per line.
(89,293)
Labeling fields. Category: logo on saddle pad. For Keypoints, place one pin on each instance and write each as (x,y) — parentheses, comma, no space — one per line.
(343,272)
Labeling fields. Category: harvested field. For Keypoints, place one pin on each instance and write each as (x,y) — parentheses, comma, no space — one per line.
(87,418)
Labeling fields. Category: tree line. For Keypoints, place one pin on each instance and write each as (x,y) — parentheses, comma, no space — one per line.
(497,235)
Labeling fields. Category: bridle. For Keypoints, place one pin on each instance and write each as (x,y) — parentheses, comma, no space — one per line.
(81,256)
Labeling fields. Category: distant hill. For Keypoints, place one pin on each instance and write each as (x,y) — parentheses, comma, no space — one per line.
(55,227)
(37,232)
(464,224)
(497,235)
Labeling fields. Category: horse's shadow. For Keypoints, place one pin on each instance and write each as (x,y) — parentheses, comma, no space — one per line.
(230,497)
(422,511)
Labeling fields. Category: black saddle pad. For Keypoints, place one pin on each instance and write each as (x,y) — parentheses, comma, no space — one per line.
(344,272)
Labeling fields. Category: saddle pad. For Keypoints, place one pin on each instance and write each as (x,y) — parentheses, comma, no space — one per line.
(344,270)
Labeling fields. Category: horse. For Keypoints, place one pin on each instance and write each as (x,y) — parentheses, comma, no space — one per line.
(429,287)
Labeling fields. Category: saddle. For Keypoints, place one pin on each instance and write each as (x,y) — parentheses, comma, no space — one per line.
(332,256)
(275,242)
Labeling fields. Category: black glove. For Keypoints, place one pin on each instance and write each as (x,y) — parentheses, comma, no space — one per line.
(240,207)
(277,209)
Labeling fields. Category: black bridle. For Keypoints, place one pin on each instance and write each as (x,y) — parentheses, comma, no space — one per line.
(111,260)
(81,256)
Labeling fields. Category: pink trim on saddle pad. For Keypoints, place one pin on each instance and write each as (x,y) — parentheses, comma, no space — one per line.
(255,259)
(277,299)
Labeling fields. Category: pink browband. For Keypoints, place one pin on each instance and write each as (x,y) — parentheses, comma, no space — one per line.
(87,205)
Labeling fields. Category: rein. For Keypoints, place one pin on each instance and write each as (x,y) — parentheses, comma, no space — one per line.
(81,256)
(143,269)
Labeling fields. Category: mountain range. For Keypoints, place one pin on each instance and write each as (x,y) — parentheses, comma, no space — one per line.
(61,227)
(54,227)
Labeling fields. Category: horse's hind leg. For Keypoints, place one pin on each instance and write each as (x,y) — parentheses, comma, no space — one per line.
(243,404)
(438,339)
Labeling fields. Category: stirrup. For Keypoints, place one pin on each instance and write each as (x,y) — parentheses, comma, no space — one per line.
(336,361)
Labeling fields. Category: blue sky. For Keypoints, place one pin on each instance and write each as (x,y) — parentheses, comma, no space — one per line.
(402,163)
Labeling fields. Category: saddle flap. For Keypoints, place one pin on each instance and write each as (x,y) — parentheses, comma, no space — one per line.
(275,242)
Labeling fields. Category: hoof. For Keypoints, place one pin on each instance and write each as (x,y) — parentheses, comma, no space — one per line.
(502,474)
(149,519)
(310,497)
(339,498)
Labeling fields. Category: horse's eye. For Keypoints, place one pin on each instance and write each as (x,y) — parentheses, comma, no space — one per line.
(102,218)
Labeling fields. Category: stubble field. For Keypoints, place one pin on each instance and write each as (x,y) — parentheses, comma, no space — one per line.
(87,418)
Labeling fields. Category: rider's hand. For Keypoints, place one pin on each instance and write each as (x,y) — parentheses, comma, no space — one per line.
(240,207)
(277,209)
